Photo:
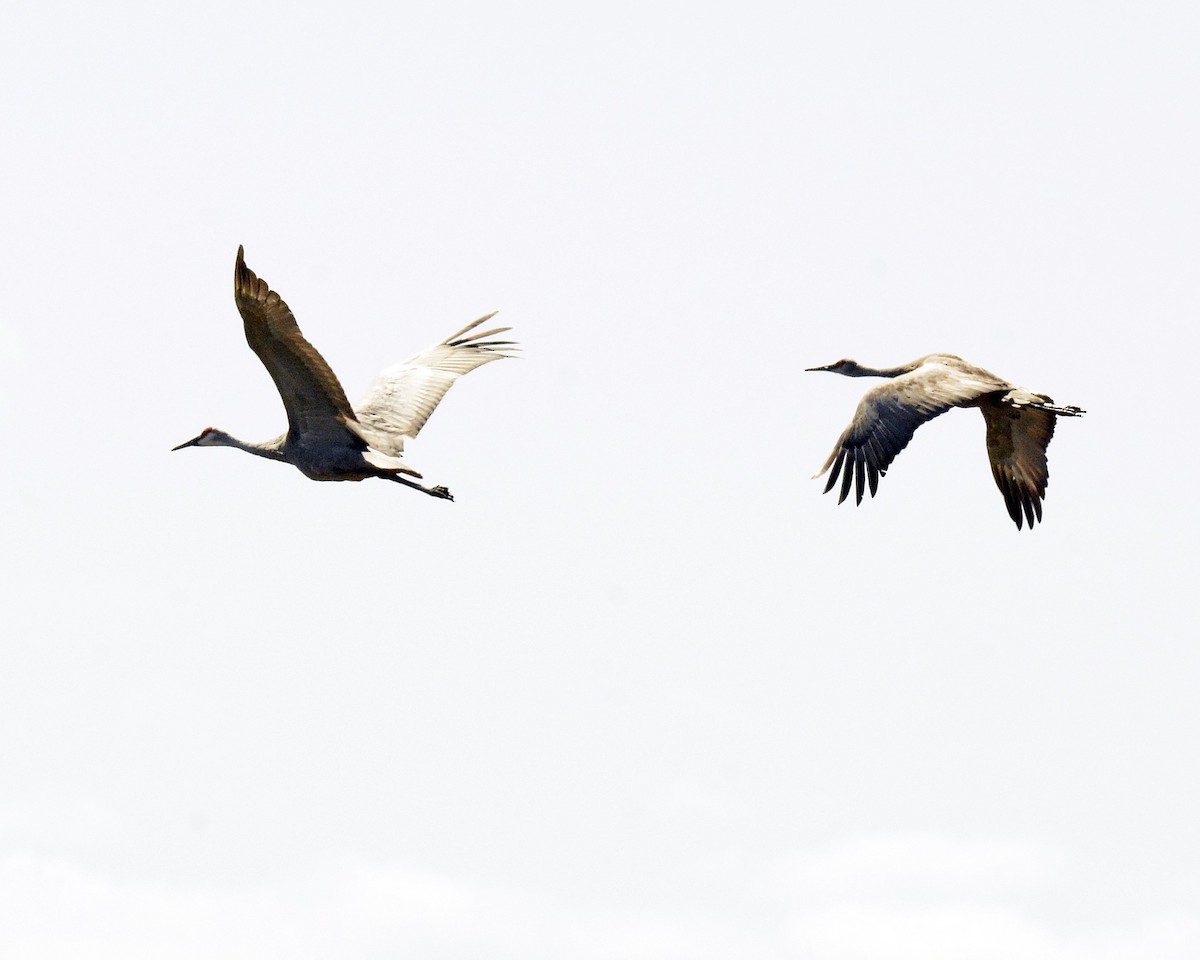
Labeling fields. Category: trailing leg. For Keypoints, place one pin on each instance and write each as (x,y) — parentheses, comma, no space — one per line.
(1061,411)
(440,492)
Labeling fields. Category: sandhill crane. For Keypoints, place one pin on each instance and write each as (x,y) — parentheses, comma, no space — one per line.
(326,438)
(1019,426)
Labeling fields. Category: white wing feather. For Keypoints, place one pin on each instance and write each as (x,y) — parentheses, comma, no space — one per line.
(403,396)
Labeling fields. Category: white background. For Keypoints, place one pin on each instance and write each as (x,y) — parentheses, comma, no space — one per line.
(641,692)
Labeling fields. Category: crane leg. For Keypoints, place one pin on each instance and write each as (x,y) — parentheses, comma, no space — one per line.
(1061,411)
(440,492)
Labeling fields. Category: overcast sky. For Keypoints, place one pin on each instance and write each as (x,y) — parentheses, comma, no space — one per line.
(641,692)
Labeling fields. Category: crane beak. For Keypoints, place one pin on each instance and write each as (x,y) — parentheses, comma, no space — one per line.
(828,366)
(191,443)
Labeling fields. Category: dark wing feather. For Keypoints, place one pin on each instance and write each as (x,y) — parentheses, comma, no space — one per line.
(886,419)
(1017,438)
(312,396)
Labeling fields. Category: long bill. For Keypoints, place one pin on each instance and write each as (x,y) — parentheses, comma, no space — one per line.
(191,443)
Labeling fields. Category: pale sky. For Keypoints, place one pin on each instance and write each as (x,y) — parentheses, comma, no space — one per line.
(641,692)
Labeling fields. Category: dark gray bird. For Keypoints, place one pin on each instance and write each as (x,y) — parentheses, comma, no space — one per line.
(1019,426)
(326,438)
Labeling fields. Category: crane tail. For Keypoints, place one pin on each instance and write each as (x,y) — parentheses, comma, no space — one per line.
(391,465)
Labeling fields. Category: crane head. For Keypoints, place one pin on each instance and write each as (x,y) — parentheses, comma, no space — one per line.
(205,439)
(845,367)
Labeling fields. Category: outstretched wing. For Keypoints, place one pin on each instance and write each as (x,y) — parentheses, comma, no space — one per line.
(312,396)
(403,396)
(1017,438)
(886,419)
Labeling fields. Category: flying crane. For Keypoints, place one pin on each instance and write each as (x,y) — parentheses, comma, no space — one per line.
(1019,426)
(327,439)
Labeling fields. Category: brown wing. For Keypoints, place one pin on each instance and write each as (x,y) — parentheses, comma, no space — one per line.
(312,396)
(886,419)
(1017,438)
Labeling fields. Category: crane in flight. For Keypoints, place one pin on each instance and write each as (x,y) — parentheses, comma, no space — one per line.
(327,439)
(1019,426)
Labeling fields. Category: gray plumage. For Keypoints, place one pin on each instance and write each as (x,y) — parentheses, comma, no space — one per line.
(1019,426)
(327,439)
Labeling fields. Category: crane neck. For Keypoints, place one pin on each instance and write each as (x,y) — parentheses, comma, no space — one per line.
(858,370)
(271,449)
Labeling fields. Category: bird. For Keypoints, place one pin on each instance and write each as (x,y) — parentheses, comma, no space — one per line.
(1019,422)
(327,439)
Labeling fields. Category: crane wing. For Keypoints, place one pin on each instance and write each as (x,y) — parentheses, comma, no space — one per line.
(402,397)
(886,419)
(1017,438)
(312,396)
